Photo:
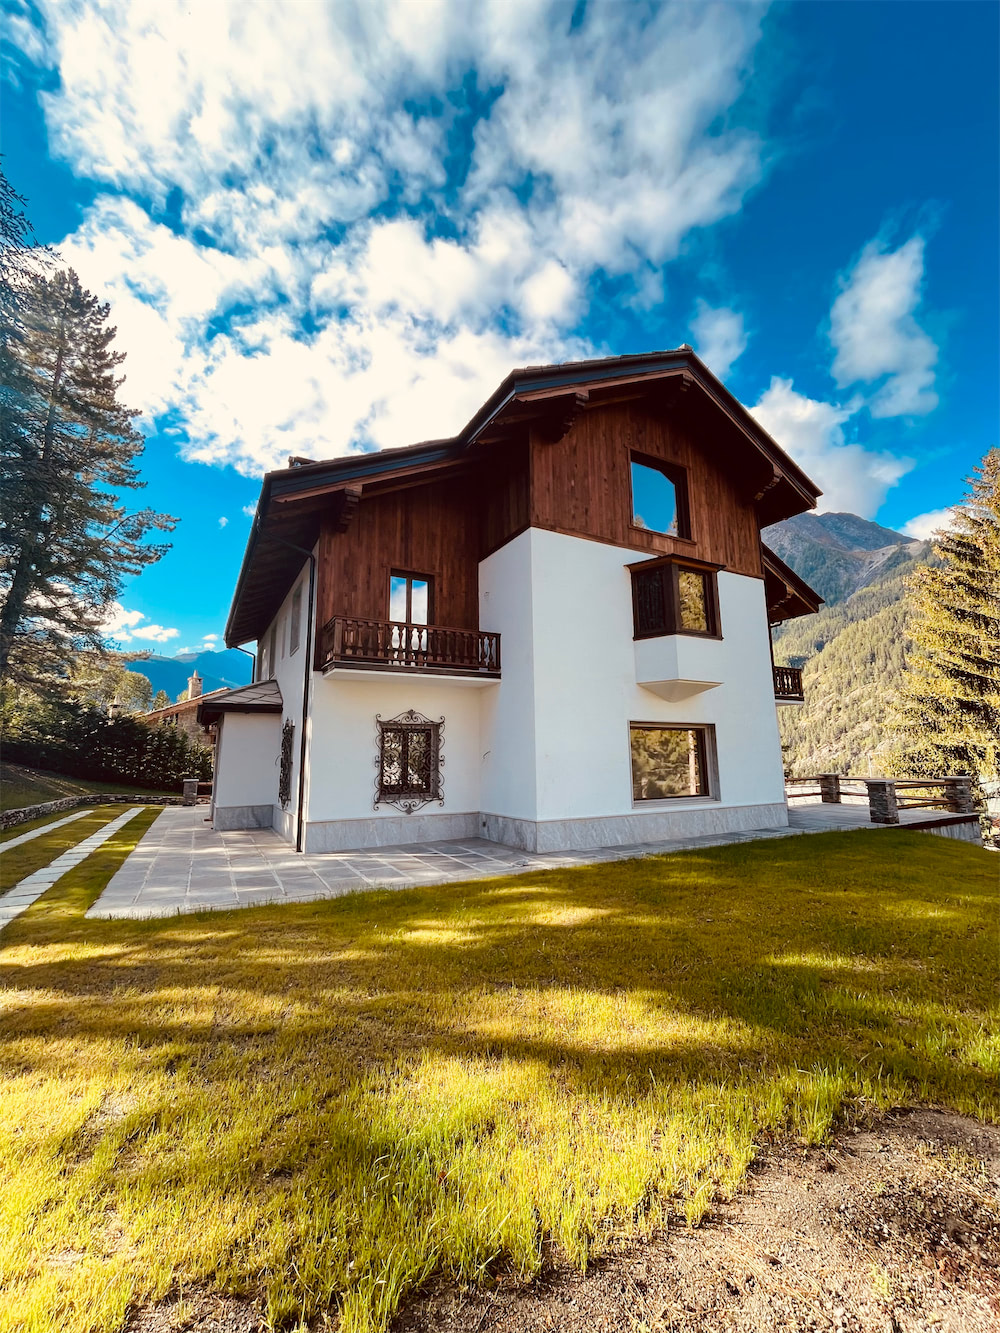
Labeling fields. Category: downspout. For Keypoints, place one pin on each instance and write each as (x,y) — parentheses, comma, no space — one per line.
(307,677)
(253,660)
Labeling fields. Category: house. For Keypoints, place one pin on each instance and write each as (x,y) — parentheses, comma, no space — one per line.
(184,713)
(551,631)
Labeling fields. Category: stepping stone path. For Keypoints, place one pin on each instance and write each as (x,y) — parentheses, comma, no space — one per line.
(22,895)
(37,832)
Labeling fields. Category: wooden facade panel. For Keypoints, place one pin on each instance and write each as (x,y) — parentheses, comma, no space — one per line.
(503,487)
(582,486)
(431,529)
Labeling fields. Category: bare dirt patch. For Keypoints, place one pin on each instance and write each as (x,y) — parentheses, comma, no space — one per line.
(894,1228)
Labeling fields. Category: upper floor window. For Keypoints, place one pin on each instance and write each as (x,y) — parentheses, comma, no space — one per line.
(671,597)
(659,497)
(410,598)
(295,621)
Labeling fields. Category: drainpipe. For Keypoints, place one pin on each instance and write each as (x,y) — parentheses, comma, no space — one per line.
(306,679)
(253,660)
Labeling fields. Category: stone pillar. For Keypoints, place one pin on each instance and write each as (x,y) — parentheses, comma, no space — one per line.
(190,791)
(958,792)
(194,685)
(829,788)
(882,801)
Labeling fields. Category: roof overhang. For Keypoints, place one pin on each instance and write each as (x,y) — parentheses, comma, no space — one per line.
(294,500)
(262,696)
(787,595)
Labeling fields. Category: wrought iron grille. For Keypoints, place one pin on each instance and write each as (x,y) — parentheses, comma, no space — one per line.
(408,761)
(285,769)
(650,597)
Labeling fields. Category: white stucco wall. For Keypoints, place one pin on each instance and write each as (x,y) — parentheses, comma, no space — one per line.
(247,768)
(288,670)
(557,736)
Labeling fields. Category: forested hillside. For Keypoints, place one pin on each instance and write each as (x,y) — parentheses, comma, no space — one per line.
(853,651)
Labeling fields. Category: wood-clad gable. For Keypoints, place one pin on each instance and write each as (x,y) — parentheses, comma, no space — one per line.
(582,485)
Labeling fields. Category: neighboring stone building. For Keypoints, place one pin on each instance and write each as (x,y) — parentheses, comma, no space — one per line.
(185,713)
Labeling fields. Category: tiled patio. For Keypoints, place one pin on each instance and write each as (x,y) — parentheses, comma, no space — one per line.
(182,865)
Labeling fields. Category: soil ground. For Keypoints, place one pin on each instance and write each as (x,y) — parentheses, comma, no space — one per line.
(892,1229)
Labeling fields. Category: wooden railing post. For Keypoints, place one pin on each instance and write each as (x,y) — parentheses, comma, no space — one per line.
(958,793)
(882,805)
(829,788)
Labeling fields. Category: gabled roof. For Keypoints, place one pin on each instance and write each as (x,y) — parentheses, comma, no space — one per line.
(292,500)
(262,696)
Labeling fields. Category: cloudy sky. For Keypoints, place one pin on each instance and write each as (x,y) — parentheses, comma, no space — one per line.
(327,227)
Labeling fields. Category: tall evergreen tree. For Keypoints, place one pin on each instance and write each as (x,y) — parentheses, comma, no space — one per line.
(68,445)
(948,712)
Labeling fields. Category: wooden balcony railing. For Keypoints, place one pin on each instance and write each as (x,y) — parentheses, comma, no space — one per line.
(788,683)
(394,644)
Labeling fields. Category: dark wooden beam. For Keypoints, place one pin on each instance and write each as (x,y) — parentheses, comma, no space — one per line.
(560,413)
(350,498)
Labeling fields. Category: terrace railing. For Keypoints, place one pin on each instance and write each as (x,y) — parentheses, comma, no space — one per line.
(887,796)
(398,645)
(788,683)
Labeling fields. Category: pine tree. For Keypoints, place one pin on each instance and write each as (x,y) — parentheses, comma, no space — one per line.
(68,444)
(948,713)
(161,700)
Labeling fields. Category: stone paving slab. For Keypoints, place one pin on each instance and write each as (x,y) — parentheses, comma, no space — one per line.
(46,828)
(183,865)
(24,893)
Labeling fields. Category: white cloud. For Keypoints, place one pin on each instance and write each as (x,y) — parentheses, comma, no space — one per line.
(853,479)
(875,335)
(923,526)
(249,510)
(223,522)
(123,626)
(210,638)
(155,633)
(283,313)
(719,337)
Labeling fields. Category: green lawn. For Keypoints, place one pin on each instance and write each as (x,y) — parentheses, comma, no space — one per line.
(325,1103)
(20,786)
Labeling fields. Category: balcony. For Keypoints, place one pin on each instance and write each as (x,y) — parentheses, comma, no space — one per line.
(394,645)
(788,685)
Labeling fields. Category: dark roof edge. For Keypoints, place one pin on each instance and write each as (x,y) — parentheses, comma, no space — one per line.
(789,576)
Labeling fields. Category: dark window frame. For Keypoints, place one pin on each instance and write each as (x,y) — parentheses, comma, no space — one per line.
(666,570)
(705,743)
(410,575)
(678,478)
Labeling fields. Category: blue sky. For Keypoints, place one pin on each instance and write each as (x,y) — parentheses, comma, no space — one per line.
(326,228)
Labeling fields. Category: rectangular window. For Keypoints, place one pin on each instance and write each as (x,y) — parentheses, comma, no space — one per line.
(668,762)
(295,622)
(410,598)
(659,496)
(670,597)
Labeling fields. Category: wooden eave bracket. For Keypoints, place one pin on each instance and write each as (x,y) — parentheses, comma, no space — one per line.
(561,413)
(350,498)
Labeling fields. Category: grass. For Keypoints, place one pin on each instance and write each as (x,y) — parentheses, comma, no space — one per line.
(325,1103)
(43,850)
(20,786)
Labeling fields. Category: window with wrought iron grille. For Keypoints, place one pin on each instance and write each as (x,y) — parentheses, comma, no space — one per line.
(409,761)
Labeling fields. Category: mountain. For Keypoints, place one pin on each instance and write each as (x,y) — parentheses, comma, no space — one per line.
(838,553)
(853,651)
(218,670)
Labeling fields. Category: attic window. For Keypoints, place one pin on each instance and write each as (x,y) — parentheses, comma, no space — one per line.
(659,497)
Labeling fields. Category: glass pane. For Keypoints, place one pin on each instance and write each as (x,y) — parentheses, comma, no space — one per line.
(419,601)
(667,761)
(397,598)
(418,760)
(654,500)
(693,598)
(392,759)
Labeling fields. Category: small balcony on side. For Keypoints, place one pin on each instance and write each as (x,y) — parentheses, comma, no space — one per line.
(788,685)
(352,642)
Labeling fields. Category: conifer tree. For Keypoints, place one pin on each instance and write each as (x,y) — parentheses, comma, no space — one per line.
(948,712)
(68,446)
(161,700)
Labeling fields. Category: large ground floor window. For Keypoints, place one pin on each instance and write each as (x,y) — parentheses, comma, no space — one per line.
(669,761)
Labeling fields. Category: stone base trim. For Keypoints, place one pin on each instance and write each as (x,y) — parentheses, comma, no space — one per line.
(570,835)
(225,818)
(345,835)
(965,828)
